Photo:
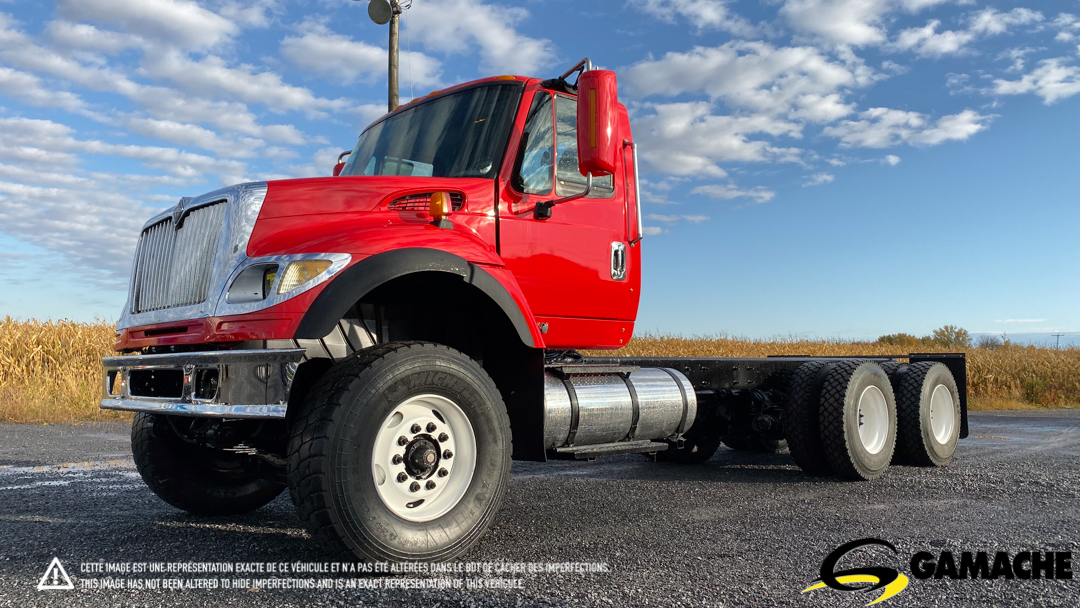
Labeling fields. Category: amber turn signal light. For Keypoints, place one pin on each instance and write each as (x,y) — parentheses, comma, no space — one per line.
(440,205)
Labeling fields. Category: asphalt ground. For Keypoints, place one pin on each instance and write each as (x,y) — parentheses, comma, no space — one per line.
(739,530)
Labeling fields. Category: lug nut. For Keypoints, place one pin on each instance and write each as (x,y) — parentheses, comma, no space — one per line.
(431,427)
(415,429)
(443,472)
(396,459)
(402,477)
(447,454)
(414,487)
(443,437)
(430,485)
(402,440)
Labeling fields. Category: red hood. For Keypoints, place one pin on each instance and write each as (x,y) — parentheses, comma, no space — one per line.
(322,195)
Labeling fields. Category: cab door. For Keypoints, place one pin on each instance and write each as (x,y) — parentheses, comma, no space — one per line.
(574,267)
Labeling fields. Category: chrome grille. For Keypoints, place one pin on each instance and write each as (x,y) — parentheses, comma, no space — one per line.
(173,267)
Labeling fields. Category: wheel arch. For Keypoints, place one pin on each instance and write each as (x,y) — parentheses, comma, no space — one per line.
(367,275)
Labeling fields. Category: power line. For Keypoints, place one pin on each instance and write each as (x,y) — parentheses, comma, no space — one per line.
(1057,342)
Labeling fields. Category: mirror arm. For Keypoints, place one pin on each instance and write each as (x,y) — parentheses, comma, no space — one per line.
(542,211)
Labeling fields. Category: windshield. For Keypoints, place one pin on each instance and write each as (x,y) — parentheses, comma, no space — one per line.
(458,135)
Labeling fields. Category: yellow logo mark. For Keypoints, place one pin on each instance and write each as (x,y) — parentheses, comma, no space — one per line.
(891,589)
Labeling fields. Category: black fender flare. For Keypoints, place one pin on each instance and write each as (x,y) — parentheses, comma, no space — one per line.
(361,278)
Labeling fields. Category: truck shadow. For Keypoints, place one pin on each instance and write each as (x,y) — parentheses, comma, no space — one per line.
(727,466)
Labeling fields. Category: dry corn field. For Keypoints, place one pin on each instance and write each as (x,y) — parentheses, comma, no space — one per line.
(50,371)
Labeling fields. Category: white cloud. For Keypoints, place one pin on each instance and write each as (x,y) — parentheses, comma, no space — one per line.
(324,52)
(757,76)
(757,194)
(674,219)
(87,37)
(990,21)
(652,230)
(1053,80)
(1068,27)
(818,179)
(92,228)
(47,140)
(926,41)
(686,139)
(1019,320)
(29,89)
(847,22)
(185,24)
(210,76)
(891,159)
(453,26)
(885,127)
(702,14)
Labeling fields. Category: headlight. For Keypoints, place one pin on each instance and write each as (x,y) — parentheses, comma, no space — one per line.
(253,284)
(298,273)
(262,282)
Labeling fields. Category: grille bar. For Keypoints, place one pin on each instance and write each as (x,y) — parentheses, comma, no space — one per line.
(174,266)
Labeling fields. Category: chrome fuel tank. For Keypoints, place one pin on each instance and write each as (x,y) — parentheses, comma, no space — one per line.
(588,409)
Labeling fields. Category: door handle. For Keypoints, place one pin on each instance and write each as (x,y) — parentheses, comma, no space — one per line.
(618,260)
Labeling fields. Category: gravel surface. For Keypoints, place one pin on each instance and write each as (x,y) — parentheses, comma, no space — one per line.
(739,530)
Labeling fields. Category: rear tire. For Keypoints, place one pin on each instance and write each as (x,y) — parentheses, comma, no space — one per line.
(362,492)
(801,425)
(928,413)
(198,479)
(858,419)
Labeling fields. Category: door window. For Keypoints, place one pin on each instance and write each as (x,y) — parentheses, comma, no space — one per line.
(535,172)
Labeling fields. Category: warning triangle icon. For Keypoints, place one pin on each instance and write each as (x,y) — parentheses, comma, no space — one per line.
(55,577)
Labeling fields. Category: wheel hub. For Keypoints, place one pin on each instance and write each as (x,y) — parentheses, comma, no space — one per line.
(421,457)
(424,457)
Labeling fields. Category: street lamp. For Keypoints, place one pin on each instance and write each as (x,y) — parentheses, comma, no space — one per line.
(383,12)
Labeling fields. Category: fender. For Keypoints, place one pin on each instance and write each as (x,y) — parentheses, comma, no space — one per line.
(361,278)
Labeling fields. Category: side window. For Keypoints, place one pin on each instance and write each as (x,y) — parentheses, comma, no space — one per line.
(535,171)
(570,180)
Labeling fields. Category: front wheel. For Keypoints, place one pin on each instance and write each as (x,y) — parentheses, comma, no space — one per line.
(402,453)
(196,478)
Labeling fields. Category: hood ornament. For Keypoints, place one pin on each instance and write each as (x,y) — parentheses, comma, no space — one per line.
(179,212)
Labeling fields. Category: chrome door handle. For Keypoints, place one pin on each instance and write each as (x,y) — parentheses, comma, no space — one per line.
(618,260)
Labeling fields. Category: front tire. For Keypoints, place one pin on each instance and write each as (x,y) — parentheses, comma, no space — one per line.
(198,479)
(402,453)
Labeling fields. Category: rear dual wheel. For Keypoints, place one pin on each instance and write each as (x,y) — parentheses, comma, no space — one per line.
(841,419)
(928,410)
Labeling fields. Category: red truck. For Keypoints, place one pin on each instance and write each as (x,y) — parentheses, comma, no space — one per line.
(385,341)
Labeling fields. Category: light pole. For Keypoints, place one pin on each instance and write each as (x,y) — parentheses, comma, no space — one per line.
(382,12)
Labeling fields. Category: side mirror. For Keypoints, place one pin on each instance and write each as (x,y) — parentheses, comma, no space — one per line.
(341,162)
(597,111)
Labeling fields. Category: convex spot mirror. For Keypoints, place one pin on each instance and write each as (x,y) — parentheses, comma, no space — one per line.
(596,114)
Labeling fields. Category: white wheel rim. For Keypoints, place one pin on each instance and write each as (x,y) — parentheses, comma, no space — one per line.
(942,414)
(873,419)
(415,478)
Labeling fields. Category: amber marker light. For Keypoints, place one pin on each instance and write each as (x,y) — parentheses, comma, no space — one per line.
(440,205)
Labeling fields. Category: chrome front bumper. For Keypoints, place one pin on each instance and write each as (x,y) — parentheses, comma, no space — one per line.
(214,384)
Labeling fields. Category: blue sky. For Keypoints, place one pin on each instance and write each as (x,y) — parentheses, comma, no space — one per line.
(829,168)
